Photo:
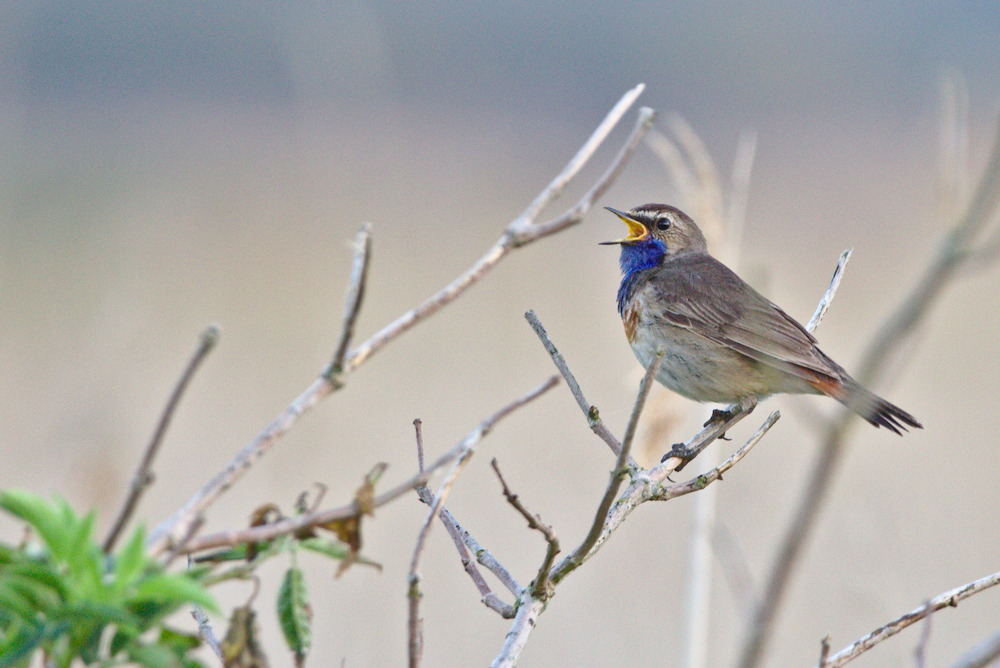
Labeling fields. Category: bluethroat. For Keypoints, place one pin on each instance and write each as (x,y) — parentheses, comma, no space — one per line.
(722,340)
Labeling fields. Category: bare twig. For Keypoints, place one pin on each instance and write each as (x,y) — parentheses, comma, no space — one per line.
(467,545)
(206,632)
(948,599)
(170,533)
(648,485)
(414,624)
(559,183)
(528,609)
(824,651)
(592,414)
(418,428)
(540,588)
(714,429)
(824,303)
(143,476)
(292,524)
(705,479)
(897,327)
(519,232)
(644,486)
(580,554)
(522,230)
(352,306)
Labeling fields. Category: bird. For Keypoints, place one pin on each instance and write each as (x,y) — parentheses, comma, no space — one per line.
(721,341)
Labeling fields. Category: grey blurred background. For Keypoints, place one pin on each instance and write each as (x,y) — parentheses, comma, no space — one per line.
(170,165)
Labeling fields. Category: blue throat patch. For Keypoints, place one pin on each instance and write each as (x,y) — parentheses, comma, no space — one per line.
(634,258)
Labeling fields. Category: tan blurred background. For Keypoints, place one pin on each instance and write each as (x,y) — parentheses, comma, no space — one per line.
(170,165)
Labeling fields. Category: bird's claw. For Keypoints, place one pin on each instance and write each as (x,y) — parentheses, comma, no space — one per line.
(680,451)
(718,415)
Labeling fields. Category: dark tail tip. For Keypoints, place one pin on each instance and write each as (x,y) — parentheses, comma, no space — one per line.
(875,409)
(892,417)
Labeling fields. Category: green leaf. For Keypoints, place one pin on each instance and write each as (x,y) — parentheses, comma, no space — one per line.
(44,517)
(41,597)
(130,561)
(15,601)
(40,573)
(175,590)
(331,548)
(16,650)
(294,613)
(179,642)
(153,656)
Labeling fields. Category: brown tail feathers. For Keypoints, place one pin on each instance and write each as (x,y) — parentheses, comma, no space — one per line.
(871,407)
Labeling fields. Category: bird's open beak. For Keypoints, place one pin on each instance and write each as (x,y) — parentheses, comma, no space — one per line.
(636,230)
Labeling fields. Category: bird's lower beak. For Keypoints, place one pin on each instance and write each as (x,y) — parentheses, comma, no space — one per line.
(636,230)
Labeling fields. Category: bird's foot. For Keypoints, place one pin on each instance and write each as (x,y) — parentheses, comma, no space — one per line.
(680,451)
(721,416)
(718,416)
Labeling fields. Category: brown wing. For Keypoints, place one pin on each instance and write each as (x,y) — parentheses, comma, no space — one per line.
(701,294)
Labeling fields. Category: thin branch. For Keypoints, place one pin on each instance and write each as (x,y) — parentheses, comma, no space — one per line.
(590,411)
(352,306)
(896,328)
(467,545)
(518,233)
(642,488)
(528,611)
(171,532)
(948,599)
(701,482)
(559,183)
(831,291)
(143,477)
(293,524)
(714,429)
(521,231)
(540,588)
(824,651)
(647,485)
(415,632)
(206,632)
(522,235)
(464,538)
(414,623)
(418,428)
(580,554)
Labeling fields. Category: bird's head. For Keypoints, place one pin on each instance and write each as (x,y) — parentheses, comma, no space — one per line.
(659,228)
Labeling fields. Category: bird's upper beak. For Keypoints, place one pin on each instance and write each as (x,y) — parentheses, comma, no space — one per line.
(636,230)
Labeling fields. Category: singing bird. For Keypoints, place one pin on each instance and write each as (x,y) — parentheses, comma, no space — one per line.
(722,341)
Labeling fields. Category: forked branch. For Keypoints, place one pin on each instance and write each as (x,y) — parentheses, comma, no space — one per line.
(523,230)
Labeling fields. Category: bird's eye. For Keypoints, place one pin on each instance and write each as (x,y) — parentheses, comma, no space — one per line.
(663,224)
